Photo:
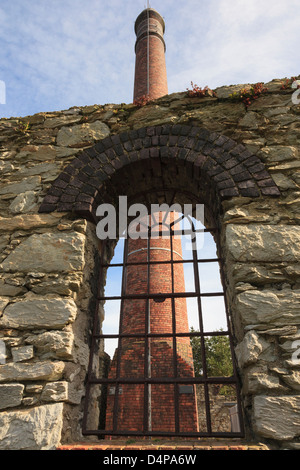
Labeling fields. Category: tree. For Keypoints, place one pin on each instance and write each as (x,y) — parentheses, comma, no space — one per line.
(218,360)
(218,355)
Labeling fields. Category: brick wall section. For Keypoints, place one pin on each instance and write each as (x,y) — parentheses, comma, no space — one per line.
(228,166)
(161,350)
(156,72)
(167,446)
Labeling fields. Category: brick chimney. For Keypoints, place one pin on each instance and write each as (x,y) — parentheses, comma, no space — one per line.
(154,357)
(159,406)
(150,67)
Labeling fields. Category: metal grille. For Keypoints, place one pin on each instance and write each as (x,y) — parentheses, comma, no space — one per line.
(209,388)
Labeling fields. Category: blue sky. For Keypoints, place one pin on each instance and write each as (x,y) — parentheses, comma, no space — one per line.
(56,54)
(213,308)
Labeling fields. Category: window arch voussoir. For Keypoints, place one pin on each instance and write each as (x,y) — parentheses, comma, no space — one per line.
(231,168)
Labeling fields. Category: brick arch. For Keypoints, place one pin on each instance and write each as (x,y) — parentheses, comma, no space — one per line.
(219,164)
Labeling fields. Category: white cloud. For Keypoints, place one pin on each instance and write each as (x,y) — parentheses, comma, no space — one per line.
(60,54)
(240,41)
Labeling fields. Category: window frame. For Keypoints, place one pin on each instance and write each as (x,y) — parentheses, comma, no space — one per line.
(176,381)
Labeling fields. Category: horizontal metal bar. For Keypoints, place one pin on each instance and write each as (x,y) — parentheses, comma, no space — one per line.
(179,261)
(162,296)
(169,231)
(161,335)
(164,380)
(99,432)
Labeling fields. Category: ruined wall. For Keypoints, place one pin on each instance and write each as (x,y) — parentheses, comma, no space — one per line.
(48,260)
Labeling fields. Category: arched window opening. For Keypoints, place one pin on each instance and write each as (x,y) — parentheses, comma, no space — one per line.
(162,360)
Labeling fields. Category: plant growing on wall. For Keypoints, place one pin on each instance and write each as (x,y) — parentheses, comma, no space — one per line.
(197,92)
(248,95)
(23,127)
(143,101)
(287,83)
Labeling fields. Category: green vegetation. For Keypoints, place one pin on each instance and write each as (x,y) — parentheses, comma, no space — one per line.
(218,355)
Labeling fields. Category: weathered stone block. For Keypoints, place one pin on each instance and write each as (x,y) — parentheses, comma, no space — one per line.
(27,184)
(45,370)
(265,243)
(55,392)
(22,353)
(260,380)
(279,153)
(24,202)
(58,121)
(84,133)
(37,152)
(292,380)
(257,274)
(39,312)
(11,395)
(53,344)
(61,392)
(269,307)
(283,182)
(47,252)
(267,411)
(249,350)
(27,222)
(38,428)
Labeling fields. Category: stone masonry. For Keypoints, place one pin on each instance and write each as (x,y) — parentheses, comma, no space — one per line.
(57,167)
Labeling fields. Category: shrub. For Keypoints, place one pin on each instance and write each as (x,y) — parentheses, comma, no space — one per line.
(248,95)
(142,101)
(196,91)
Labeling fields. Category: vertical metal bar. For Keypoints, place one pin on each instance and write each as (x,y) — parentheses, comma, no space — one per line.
(147,359)
(148,53)
(119,353)
(93,341)
(229,328)
(175,368)
(202,340)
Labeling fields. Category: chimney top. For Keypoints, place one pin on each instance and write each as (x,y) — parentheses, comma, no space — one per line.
(152,14)
(150,48)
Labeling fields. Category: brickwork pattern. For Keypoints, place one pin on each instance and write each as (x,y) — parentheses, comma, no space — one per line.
(150,69)
(231,169)
(157,73)
(166,447)
(161,350)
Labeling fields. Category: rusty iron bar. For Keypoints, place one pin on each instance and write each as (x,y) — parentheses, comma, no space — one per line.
(175,261)
(107,432)
(169,295)
(165,380)
(161,335)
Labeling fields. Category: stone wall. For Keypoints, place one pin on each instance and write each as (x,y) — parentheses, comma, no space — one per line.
(49,259)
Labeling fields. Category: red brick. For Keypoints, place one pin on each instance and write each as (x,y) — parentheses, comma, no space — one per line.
(156,72)
(220,448)
(131,400)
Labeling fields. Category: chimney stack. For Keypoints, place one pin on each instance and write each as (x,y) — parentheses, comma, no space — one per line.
(150,315)
(150,67)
